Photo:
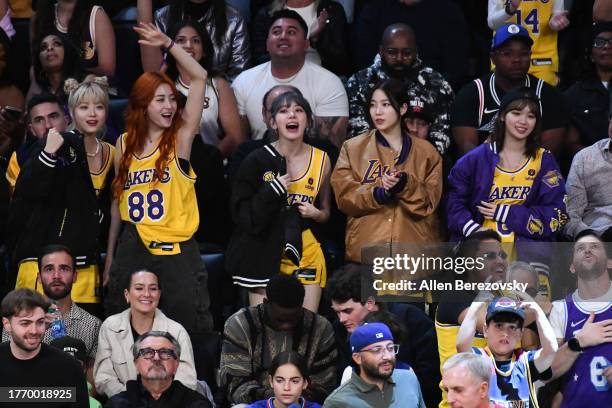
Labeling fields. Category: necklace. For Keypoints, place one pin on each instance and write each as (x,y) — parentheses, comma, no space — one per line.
(61,28)
(94,154)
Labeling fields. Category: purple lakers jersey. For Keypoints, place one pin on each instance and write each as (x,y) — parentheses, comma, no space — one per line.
(585,382)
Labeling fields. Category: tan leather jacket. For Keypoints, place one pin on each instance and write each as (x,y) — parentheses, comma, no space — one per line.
(409,218)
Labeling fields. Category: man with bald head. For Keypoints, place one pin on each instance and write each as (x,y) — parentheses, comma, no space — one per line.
(398,58)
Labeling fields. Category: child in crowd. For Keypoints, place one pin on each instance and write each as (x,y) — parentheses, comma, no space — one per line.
(288,378)
(513,371)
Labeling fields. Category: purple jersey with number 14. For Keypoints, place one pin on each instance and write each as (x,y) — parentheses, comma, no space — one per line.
(584,382)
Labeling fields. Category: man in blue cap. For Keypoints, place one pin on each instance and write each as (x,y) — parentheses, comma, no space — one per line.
(478,102)
(513,371)
(375,382)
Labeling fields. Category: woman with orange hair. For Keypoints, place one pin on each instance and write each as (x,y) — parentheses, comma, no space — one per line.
(155,212)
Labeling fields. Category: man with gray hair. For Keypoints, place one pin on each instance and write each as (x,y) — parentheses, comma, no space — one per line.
(156,359)
(465,379)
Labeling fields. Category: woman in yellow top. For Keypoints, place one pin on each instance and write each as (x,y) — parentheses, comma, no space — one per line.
(88,104)
(273,203)
(154,211)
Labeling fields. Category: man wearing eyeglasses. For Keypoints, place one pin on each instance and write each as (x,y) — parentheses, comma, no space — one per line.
(156,360)
(398,58)
(375,382)
(477,103)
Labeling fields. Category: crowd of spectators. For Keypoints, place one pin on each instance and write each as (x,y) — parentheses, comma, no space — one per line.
(194,192)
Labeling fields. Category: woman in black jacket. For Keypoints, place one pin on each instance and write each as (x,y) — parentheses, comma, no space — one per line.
(327,31)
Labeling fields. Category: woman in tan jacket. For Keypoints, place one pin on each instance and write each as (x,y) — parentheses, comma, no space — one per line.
(114,364)
(388,183)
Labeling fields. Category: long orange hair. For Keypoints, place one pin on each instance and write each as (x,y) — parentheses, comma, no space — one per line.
(137,127)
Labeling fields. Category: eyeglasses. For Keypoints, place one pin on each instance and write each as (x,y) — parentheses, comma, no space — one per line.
(394,52)
(164,353)
(380,350)
(491,255)
(602,42)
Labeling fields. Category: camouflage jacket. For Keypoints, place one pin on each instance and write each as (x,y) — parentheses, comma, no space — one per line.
(427,84)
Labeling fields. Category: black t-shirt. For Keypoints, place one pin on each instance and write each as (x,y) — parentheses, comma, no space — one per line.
(466,111)
(50,368)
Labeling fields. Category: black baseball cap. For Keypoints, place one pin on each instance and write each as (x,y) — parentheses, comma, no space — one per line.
(521,93)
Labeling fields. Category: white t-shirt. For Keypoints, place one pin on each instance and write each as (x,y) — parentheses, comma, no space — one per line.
(321,88)
(309,14)
(558,313)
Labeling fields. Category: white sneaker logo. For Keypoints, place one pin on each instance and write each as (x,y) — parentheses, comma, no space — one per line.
(487,111)
(574,324)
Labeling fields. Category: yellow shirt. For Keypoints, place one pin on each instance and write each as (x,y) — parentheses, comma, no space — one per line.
(100,179)
(164,211)
(304,189)
(512,188)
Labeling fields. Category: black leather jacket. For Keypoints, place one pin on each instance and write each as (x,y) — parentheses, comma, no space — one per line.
(232,55)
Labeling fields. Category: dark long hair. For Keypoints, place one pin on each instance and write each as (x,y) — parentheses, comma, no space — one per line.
(71,66)
(207,47)
(78,27)
(533,139)
(286,99)
(177,12)
(397,94)
(289,357)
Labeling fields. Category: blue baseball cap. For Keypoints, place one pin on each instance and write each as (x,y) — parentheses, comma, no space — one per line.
(369,333)
(509,32)
(504,305)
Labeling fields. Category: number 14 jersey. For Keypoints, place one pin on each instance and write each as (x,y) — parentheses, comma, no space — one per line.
(163,209)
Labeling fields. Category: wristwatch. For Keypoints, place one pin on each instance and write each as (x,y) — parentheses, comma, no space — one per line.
(510,10)
(574,345)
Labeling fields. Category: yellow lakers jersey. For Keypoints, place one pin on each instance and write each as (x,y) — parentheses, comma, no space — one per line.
(164,210)
(512,188)
(99,179)
(304,189)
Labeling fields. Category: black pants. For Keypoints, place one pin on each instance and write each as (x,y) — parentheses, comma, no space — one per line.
(183,280)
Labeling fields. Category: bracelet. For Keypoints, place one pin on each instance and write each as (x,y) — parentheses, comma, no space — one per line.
(167,49)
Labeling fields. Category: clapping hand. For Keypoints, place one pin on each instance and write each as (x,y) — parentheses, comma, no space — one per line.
(319,25)
(559,21)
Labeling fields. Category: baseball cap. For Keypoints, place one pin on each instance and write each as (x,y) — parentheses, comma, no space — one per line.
(504,305)
(417,107)
(73,346)
(369,333)
(521,93)
(509,32)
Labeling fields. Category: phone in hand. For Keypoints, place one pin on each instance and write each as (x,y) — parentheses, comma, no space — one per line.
(14,113)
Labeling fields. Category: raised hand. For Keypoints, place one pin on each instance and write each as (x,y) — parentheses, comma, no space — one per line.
(319,25)
(151,36)
(559,21)
(54,141)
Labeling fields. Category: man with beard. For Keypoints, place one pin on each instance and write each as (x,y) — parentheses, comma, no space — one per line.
(375,382)
(397,58)
(26,362)
(57,273)
(583,326)
(156,359)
